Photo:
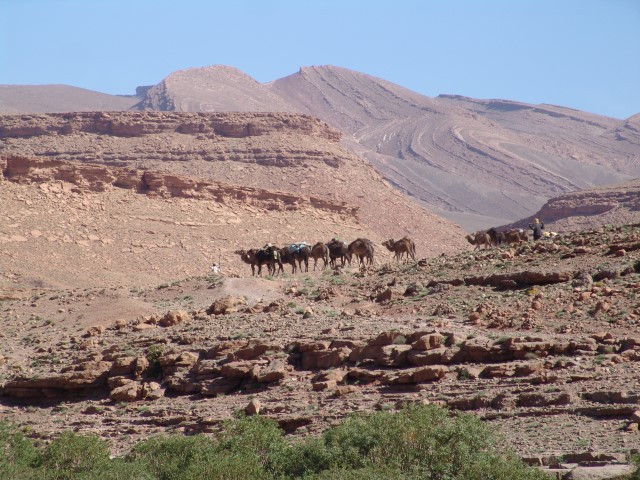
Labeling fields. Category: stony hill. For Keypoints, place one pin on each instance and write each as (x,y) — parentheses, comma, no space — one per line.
(151,194)
(477,162)
(539,340)
(587,209)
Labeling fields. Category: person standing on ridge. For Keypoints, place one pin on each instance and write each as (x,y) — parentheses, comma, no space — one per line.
(537,226)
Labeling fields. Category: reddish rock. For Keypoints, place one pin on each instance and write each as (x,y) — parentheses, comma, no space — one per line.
(225,305)
(543,400)
(253,408)
(237,370)
(173,317)
(428,342)
(313,359)
(417,375)
(122,366)
(386,355)
(326,385)
(128,392)
(498,371)
(275,371)
(387,338)
(253,351)
(436,356)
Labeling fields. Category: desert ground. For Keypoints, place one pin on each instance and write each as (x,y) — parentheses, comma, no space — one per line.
(538,339)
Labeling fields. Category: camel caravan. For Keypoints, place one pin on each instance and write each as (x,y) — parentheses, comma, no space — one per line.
(494,238)
(336,254)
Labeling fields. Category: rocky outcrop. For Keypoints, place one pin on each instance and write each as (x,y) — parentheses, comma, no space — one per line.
(593,202)
(619,203)
(275,161)
(99,178)
(137,124)
(392,358)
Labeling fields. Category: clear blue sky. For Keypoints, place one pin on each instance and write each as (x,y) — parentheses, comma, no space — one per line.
(583,54)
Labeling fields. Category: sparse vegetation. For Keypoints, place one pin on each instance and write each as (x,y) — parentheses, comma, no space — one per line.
(153,356)
(416,442)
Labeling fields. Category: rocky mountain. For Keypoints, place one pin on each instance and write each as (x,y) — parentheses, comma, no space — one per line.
(59,98)
(477,162)
(213,89)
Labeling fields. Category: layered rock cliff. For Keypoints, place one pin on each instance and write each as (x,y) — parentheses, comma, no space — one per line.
(274,159)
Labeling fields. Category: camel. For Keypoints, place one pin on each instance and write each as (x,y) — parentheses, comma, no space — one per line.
(363,249)
(401,247)
(497,237)
(507,236)
(297,255)
(320,251)
(479,238)
(286,257)
(338,249)
(515,236)
(259,257)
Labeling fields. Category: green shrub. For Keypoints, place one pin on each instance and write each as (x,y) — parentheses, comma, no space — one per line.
(154,352)
(240,451)
(417,442)
(73,456)
(635,460)
(18,456)
(421,442)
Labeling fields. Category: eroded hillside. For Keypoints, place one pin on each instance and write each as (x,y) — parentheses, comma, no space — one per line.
(119,192)
(476,162)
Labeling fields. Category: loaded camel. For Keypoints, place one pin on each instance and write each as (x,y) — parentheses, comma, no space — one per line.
(493,237)
(295,255)
(338,250)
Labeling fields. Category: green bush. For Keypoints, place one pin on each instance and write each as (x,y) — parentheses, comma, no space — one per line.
(421,442)
(240,451)
(635,460)
(417,442)
(185,458)
(154,369)
(18,455)
(73,456)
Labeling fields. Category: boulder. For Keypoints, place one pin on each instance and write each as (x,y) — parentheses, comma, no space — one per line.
(436,356)
(387,338)
(238,370)
(275,371)
(325,358)
(173,317)
(417,375)
(225,305)
(384,355)
(128,392)
(253,408)
(428,342)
